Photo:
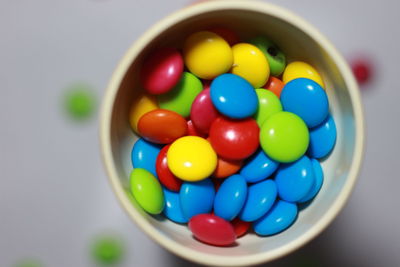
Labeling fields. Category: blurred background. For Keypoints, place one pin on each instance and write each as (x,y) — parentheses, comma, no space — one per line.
(56,205)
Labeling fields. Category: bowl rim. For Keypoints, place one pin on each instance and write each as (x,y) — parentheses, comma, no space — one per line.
(106,116)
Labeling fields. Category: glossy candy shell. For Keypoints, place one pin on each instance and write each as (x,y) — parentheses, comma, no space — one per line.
(260,198)
(212,230)
(284,137)
(274,85)
(319,180)
(162,126)
(295,180)
(166,177)
(141,106)
(241,227)
(191,158)
(162,70)
(258,167)
(234,139)
(144,155)
(207,54)
(230,197)
(172,209)
(322,139)
(299,69)
(226,168)
(233,96)
(147,191)
(181,97)
(250,63)
(268,104)
(197,197)
(279,218)
(276,58)
(307,99)
(203,112)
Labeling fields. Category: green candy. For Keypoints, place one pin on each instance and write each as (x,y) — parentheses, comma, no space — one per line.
(79,102)
(275,57)
(284,137)
(107,250)
(147,191)
(181,97)
(268,104)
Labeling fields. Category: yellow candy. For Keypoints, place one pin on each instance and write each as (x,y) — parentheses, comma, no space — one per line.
(191,158)
(207,55)
(250,63)
(299,69)
(141,106)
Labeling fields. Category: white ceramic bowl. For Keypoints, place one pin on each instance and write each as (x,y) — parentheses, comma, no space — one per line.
(299,41)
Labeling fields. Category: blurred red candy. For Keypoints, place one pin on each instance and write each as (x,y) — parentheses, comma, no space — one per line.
(362,69)
(234,139)
(212,230)
(162,70)
(165,176)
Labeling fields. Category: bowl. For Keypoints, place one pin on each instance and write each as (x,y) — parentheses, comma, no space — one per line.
(300,41)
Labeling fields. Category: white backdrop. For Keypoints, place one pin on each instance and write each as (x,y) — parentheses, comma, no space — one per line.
(54,196)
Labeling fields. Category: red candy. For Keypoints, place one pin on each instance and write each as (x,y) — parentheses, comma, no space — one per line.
(162,126)
(234,139)
(274,85)
(192,129)
(165,176)
(362,70)
(212,230)
(203,112)
(240,227)
(162,71)
(229,35)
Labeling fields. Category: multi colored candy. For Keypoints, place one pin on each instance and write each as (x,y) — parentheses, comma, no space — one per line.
(229,145)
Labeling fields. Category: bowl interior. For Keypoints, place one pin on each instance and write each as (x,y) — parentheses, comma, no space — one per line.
(298,42)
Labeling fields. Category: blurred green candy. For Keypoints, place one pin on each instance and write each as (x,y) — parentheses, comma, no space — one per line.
(79,101)
(107,250)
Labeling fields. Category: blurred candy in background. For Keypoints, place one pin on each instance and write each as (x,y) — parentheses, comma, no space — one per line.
(56,204)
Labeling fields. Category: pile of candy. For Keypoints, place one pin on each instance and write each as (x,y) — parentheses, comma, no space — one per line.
(226,144)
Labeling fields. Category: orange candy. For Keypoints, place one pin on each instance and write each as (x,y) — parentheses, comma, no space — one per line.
(274,85)
(226,168)
(162,126)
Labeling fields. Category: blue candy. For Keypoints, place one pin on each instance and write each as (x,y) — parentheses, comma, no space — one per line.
(307,99)
(230,197)
(144,155)
(259,167)
(233,96)
(295,180)
(279,218)
(172,209)
(260,198)
(196,198)
(322,139)
(319,179)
